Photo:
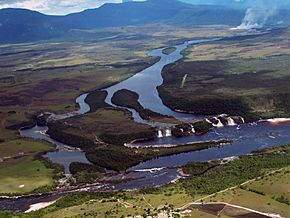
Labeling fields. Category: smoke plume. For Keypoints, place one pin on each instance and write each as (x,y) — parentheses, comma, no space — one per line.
(257,16)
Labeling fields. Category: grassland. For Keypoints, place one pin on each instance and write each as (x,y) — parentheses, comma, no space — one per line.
(238,171)
(262,194)
(20,171)
(245,77)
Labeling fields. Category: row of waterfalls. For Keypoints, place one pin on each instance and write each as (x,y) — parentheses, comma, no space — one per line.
(215,122)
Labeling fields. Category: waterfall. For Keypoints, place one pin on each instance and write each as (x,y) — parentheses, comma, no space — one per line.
(220,124)
(192,129)
(168,133)
(243,120)
(231,121)
(159,135)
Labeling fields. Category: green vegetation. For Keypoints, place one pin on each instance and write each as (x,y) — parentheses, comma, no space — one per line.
(20,169)
(85,173)
(268,194)
(238,77)
(96,100)
(120,158)
(111,126)
(238,171)
(282,199)
(169,50)
(200,127)
(24,176)
(83,61)
(197,169)
(172,197)
(103,141)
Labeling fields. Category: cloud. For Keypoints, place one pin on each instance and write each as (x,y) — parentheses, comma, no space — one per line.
(55,7)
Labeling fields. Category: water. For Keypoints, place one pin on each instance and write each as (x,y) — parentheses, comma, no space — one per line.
(145,83)
(64,154)
(246,138)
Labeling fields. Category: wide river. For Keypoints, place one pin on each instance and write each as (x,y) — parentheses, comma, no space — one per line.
(245,138)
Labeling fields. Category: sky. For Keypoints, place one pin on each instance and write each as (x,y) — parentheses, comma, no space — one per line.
(62,7)
(55,7)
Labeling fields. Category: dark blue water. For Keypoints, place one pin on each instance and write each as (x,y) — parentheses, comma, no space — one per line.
(246,139)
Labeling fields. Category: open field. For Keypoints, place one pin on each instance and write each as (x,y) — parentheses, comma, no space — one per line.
(237,172)
(246,77)
(19,170)
(263,194)
(24,175)
(272,44)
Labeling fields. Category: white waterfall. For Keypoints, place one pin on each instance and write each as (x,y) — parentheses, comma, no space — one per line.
(231,121)
(219,124)
(243,120)
(192,128)
(168,133)
(159,135)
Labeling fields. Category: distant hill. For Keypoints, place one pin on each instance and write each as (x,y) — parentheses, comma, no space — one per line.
(241,3)
(20,25)
(152,11)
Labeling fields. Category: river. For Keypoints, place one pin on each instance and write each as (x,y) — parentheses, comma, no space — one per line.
(245,138)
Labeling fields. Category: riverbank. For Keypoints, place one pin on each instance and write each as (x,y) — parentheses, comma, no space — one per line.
(129,99)
(246,77)
(121,158)
(260,168)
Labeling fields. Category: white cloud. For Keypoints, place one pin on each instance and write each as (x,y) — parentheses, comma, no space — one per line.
(55,7)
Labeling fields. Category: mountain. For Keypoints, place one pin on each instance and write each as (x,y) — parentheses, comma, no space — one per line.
(242,3)
(153,11)
(20,25)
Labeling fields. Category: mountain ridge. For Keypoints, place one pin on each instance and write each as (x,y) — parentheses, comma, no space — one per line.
(22,25)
